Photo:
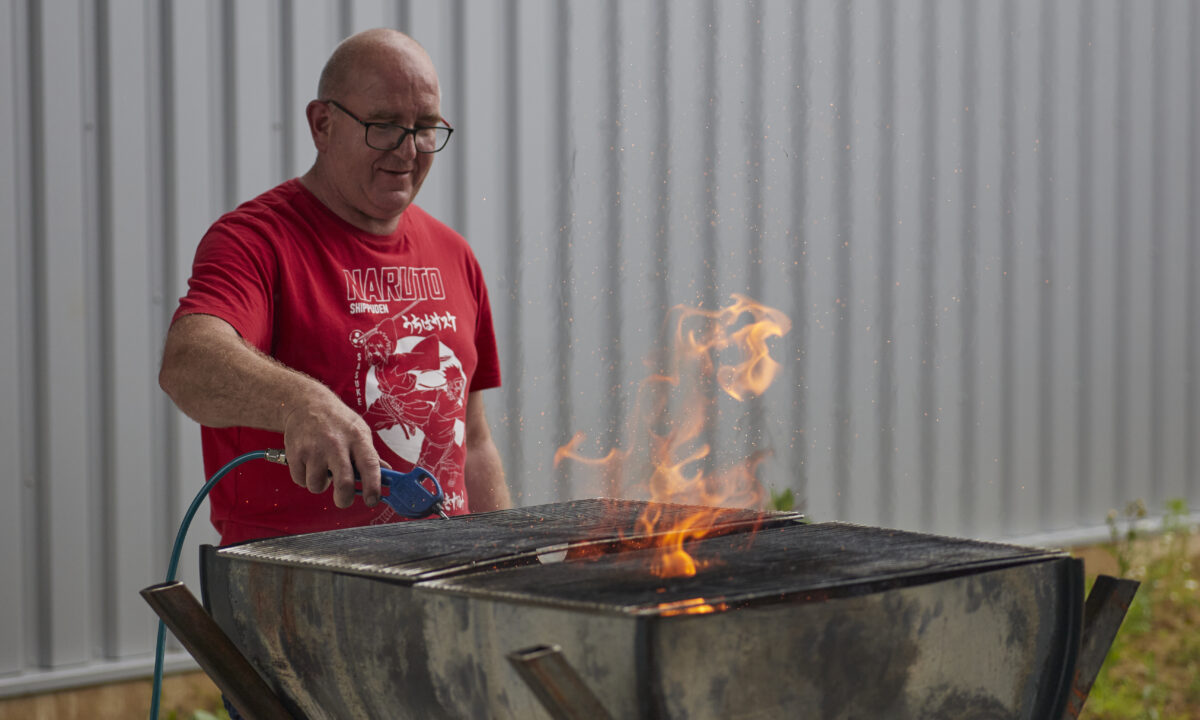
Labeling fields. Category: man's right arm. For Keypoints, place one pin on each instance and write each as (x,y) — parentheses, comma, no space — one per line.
(220,380)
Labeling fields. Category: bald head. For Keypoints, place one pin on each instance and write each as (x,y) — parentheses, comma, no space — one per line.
(370,49)
(375,78)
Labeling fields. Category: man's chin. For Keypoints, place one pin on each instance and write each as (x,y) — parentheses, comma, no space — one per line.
(393,203)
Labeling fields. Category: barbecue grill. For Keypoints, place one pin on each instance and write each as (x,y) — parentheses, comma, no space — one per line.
(550,611)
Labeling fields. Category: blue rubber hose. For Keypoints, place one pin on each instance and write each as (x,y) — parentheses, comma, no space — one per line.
(173,566)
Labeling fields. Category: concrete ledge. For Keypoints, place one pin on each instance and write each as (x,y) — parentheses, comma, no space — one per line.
(94,673)
(183,694)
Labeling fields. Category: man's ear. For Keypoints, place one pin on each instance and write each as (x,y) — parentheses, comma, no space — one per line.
(319,121)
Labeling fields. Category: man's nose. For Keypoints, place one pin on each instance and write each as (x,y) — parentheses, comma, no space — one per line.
(407,148)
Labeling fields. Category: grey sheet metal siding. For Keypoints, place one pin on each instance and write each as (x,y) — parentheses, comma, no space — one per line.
(981,218)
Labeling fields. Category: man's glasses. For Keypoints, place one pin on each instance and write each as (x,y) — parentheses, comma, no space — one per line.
(388,136)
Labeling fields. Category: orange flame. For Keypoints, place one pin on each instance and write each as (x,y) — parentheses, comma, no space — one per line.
(691,606)
(668,459)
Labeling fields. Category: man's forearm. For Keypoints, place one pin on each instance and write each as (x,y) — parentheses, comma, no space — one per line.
(484,472)
(486,485)
(218,380)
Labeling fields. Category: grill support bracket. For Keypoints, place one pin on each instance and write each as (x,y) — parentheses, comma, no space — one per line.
(556,684)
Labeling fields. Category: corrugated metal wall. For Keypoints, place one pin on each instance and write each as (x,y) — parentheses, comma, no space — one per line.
(980,216)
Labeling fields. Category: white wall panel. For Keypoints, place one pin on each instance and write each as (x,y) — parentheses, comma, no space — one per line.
(65,492)
(980,217)
(195,194)
(13,559)
(250,40)
(130,348)
(310,39)
(527,362)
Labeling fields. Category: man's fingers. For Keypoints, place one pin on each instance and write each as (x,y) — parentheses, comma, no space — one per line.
(296,470)
(324,446)
(367,462)
(342,477)
(315,478)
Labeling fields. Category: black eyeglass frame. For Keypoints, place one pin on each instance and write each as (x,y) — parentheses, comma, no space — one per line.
(407,131)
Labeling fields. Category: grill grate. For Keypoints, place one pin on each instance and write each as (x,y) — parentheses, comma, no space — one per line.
(793,563)
(417,551)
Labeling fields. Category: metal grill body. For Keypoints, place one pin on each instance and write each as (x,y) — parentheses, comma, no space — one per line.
(827,620)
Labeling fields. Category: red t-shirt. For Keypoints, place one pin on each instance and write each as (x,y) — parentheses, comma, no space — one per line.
(398,326)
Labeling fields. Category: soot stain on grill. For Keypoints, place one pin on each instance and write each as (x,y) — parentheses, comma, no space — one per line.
(873,640)
(981,589)
(1018,626)
(410,625)
(930,614)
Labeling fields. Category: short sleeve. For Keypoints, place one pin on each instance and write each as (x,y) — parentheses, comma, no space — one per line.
(487,368)
(233,278)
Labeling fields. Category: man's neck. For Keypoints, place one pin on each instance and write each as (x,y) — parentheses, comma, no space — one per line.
(315,184)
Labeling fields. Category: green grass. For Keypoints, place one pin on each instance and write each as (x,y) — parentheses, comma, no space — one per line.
(1153,669)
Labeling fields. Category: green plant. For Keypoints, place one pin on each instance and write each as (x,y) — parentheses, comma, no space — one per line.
(1121,544)
(783,501)
(1153,667)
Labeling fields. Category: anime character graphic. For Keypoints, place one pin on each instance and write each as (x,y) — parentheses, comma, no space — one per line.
(415,392)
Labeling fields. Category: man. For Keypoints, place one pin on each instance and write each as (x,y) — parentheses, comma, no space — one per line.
(332,297)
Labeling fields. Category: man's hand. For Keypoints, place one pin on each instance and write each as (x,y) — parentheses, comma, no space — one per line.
(220,380)
(325,441)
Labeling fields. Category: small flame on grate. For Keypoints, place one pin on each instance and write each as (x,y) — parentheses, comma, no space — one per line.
(691,606)
(665,452)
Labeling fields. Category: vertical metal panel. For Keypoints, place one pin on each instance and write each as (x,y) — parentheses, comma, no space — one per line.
(612,239)
(307,42)
(796,357)
(1086,244)
(13,566)
(1191,238)
(770,198)
(195,193)
(1007,115)
(910,418)
(480,152)
(126,241)
(967,471)
(818,280)
(1120,297)
(1137,267)
(1026,280)
(1157,251)
(706,275)
(1059,466)
(588,250)
(844,314)
(859,219)
(513,244)
(753,128)
(253,141)
(885,232)
(986,113)
(61,332)
(1105,188)
(528,408)
(927,341)
(436,28)
(1047,340)
(562,240)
